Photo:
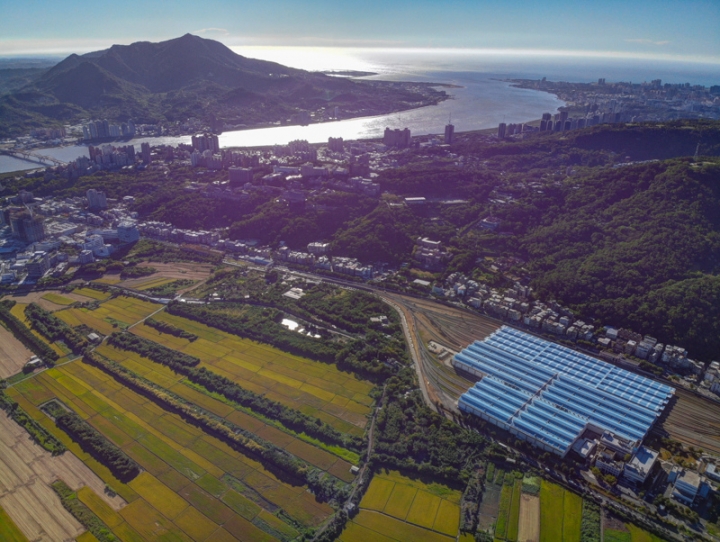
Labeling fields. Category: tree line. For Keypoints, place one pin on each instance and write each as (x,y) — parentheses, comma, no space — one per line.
(53,328)
(186,365)
(21,332)
(325,486)
(169,329)
(93,442)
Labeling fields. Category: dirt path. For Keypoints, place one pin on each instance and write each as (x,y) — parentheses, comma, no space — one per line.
(26,472)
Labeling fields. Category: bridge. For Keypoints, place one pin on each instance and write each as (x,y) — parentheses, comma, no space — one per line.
(31,156)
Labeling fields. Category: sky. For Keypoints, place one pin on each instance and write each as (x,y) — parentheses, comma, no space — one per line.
(684,30)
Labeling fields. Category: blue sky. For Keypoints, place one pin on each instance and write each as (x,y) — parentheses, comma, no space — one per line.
(687,29)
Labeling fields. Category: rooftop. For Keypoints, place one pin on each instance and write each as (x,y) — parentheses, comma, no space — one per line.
(553,393)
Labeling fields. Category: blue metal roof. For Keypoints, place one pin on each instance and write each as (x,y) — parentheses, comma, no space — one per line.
(550,392)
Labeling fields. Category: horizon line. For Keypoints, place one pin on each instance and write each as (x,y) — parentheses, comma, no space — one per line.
(487,51)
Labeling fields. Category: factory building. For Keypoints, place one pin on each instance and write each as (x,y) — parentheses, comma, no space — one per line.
(550,395)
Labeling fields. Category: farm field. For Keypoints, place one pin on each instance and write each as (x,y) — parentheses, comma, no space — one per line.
(164,377)
(168,272)
(19,312)
(315,388)
(112,315)
(9,532)
(560,514)
(194,487)
(615,530)
(13,354)
(399,508)
(529,523)
(26,472)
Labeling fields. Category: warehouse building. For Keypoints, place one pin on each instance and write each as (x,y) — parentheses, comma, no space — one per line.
(549,395)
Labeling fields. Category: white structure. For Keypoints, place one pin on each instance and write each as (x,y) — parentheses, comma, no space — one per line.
(128,232)
(96,199)
(687,485)
(639,467)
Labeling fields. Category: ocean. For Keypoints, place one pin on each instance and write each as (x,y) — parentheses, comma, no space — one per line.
(479,98)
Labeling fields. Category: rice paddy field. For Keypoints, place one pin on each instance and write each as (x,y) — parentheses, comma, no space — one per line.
(560,514)
(397,508)
(315,388)
(194,486)
(112,315)
(617,531)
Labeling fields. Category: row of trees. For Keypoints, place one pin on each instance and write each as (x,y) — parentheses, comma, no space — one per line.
(169,329)
(325,486)
(53,328)
(21,332)
(82,513)
(38,433)
(259,324)
(93,442)
(178,361)
(184,364)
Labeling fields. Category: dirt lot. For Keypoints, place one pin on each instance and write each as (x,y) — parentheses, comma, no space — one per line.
(529,526)
(26,472)
(13,354)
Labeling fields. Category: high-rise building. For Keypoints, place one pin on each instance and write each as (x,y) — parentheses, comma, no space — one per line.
(145,152)
(128,232)
(26,227)
(397,138)
(502,127)
(96,199)
(240,176)
(204,142)
(449,133)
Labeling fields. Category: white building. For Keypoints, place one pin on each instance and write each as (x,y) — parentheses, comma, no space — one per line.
(639,467)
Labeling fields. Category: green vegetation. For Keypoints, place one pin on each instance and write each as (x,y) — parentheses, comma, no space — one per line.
(93,442)
(9,532)
(82,513)
(164,327)
(53,328)
(613,535)
(531,485)
(590,526)
(24,335)
(551,512)
(170,288)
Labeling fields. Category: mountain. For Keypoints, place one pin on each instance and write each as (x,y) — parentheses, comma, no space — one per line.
(192,77)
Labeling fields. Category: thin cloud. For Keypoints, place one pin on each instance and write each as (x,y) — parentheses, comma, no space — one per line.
(222,31)
(647,41)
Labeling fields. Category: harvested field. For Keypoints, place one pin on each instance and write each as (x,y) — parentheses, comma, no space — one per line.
(170,272)
(529,524)
(26,472)
(13,354)
(173,454)
(692,420)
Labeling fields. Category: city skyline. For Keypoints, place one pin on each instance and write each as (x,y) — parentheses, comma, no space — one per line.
(665,30)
